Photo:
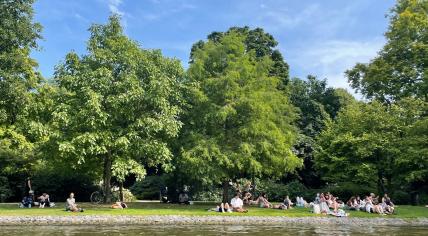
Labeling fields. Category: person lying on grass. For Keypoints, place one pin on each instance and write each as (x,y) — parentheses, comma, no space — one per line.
(119,205)
(237,204)
(70,204)
(223,207)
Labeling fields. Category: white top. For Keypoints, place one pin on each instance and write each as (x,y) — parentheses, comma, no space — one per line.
(236,202)
(71,202)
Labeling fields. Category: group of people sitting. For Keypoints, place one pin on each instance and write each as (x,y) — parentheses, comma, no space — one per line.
(324,203)
(42,201)
(372,204)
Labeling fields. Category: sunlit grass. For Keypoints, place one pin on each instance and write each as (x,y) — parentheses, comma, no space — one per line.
(198,209)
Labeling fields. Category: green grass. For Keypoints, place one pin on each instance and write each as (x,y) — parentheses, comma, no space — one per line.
(193,210)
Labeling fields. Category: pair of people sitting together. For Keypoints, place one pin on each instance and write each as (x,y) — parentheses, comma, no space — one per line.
(43,200)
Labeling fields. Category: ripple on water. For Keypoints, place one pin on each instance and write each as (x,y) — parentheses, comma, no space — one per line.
(195,230)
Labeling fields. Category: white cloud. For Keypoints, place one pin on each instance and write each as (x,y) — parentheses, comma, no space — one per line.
(330,59)
(167,10)
(114,5)
(282,18)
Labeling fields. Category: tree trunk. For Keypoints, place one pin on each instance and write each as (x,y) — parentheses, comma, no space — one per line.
(389,184)
(107,178)
(121,192)
(225,191)
(381,184)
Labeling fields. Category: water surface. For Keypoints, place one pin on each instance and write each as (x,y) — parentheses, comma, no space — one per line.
(209,230)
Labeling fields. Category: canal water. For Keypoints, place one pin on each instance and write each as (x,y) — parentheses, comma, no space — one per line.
(209,230)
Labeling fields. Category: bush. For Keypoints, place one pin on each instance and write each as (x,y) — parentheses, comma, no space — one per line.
(127,195)
(59,185)
(423,198)
(148,189)
(400,197)
(214,195)
(277,191)
(5,191)
(346,190)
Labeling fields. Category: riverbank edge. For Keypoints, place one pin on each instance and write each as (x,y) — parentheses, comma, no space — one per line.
(204,220)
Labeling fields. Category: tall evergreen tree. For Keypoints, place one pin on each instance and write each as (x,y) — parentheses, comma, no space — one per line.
(239,124)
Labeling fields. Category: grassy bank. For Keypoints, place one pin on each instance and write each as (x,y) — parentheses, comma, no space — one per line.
(193,210)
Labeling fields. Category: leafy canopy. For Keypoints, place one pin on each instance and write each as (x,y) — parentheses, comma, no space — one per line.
(239,124)
(117,105)
(400,69)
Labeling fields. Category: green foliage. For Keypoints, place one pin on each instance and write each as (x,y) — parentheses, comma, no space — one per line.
(366,145)
(5,189)
(148,188)
(261,43)
(117,105)
(239,123)
(277,191)
(213,195)
(400,69)
(18,35)
(401,197)
(58,183)
(345,190)
(317,103)
(18,86)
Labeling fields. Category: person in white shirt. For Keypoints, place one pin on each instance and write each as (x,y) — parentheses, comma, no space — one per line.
(237,203)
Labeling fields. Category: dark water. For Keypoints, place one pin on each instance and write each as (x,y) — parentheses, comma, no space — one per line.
(208,230)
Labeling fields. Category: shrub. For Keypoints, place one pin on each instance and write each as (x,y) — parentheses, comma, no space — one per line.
(400,197)
(127,195)
(59,185)
(5,191)
(148,188)
(213,195)
(346,190)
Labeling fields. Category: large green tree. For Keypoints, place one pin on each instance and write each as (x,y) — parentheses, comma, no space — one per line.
(317,103)
(116,106)
(19,81)
(401,67)
(239,124)
(374,144)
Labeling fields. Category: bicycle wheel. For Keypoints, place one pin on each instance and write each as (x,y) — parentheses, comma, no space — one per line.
(97,197)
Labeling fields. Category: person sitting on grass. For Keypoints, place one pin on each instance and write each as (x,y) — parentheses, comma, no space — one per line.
(183,198)
(300,202)
(263,201)
(119,205)
(237,204)
(352,204)
(247,198)
(323,204)
(26,202)
(70,204)
(284,205)
(287,202)
(43,200)
(387,200)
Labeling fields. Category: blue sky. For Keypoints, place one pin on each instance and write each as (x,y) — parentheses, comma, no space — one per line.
(319,37)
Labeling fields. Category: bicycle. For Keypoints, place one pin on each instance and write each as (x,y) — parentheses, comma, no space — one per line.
(98,196)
